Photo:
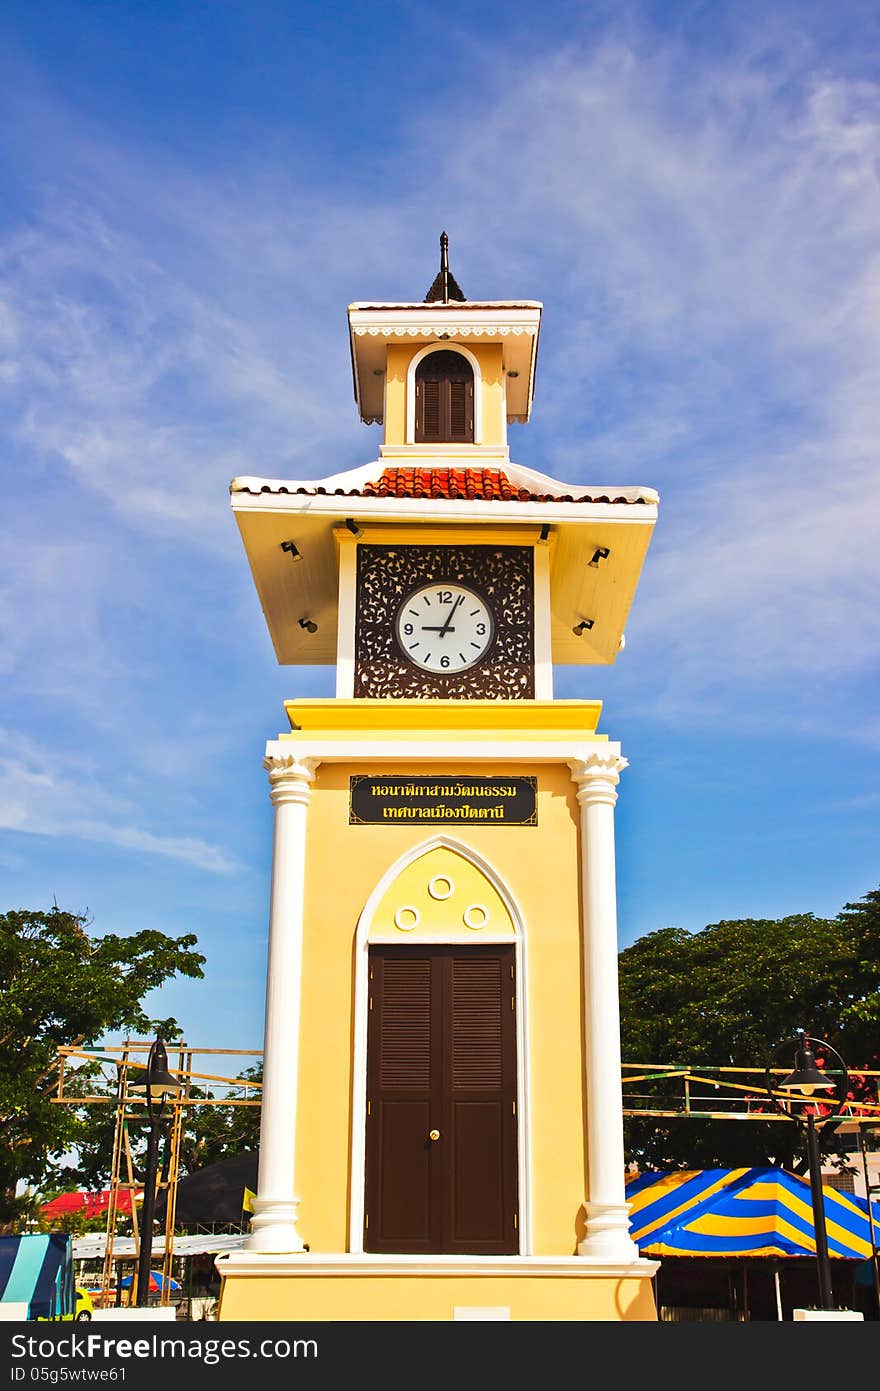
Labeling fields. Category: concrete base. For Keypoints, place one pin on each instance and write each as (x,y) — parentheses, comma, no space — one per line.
(374,1289)
(830,1315)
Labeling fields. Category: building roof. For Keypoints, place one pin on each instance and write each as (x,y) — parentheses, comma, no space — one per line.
(93,1246)
(447,483)
(597,536)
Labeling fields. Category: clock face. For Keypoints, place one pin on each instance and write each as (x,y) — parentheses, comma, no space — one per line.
(444,622)
(444,627)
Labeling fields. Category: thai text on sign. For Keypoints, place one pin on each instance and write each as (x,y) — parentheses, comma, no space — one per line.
(395,800)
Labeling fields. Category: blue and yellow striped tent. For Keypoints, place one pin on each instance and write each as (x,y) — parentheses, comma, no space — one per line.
(36,1273)
(742,1212)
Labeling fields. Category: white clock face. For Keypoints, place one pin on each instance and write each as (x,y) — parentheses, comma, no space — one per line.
(444,627)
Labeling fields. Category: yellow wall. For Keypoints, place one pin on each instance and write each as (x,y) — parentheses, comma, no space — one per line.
(493,401)
(539,866)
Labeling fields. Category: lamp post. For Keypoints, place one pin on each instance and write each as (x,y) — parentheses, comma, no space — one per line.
(800,1088)
(157,1083)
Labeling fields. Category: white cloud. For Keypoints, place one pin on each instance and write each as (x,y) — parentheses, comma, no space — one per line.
(43,793)
(704,237)
(712,330)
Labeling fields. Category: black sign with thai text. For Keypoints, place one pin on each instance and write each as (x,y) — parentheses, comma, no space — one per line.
(401,801)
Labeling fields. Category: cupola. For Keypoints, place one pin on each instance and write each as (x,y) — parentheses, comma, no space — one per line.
(444,375)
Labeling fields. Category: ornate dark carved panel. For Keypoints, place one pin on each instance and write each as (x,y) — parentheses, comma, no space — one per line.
(504,575)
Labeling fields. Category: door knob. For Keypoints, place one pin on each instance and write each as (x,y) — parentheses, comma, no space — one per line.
(433,1134)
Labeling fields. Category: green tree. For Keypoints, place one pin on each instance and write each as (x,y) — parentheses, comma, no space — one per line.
(726,996)
(59,986)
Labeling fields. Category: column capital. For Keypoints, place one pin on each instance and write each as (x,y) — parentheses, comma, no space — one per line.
(290,777)
(597,776)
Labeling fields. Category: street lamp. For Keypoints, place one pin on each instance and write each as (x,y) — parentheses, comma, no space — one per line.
(157,1083)
(801,1088)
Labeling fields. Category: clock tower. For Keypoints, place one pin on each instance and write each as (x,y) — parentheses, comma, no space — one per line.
(441,1130)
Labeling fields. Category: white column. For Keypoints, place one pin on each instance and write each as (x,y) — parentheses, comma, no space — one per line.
(607,1235)
(273,1225)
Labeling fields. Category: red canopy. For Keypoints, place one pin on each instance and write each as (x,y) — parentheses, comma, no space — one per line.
(89,1204)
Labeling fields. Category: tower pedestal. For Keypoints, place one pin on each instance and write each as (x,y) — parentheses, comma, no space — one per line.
(398,1288)
(443,888)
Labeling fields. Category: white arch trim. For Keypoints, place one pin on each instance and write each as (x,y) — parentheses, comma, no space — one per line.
(361,1016)
(440,347)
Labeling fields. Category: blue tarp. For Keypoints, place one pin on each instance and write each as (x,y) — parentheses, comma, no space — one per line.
(38,1271)
(742,1212)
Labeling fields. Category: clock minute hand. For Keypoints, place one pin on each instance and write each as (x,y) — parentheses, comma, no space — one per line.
(449,617)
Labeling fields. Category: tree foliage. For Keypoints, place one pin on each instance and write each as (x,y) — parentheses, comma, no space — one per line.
(59,986)
(726,996)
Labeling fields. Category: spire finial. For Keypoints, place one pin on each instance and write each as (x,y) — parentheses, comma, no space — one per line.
(445,286)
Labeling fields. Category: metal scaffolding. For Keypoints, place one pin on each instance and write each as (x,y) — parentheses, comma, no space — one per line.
(697,1092)
(129,1060)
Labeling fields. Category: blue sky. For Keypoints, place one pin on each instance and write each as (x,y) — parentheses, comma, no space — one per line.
(191,194)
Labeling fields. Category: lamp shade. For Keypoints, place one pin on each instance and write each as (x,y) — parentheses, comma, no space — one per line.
(156,1078)
(806,1077)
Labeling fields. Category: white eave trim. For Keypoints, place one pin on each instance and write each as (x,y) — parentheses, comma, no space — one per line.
(389,509)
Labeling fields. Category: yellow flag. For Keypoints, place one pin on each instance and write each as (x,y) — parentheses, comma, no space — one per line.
(248,1203)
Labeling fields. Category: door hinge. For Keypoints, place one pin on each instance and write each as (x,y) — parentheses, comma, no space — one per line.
(366,1222)
(515,1222)
(512,1107)
(369,1108)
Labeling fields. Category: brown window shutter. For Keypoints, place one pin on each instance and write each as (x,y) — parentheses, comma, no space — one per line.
(476,1023)
(458,410)
(405,1038)
(431,411)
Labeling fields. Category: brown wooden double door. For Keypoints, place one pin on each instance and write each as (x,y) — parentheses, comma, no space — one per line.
(441,1171)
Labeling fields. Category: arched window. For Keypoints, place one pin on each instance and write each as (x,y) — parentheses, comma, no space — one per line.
(444,399)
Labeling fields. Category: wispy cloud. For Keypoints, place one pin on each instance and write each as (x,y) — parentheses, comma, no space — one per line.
(712,328)
(704,238)
(42,793)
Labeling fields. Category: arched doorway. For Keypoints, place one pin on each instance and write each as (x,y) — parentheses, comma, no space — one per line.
(442,1059)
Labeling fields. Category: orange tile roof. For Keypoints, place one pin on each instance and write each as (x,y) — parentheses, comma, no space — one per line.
(488,484)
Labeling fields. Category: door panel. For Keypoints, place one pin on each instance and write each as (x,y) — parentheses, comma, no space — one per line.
(478,1158)
(441,1057)
(404,1175)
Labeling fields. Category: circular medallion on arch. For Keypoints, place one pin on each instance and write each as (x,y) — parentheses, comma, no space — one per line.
(407,917)
(439,884)
(475,916)
(441,887)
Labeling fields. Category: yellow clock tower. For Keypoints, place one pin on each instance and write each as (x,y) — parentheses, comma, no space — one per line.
(441,1132)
